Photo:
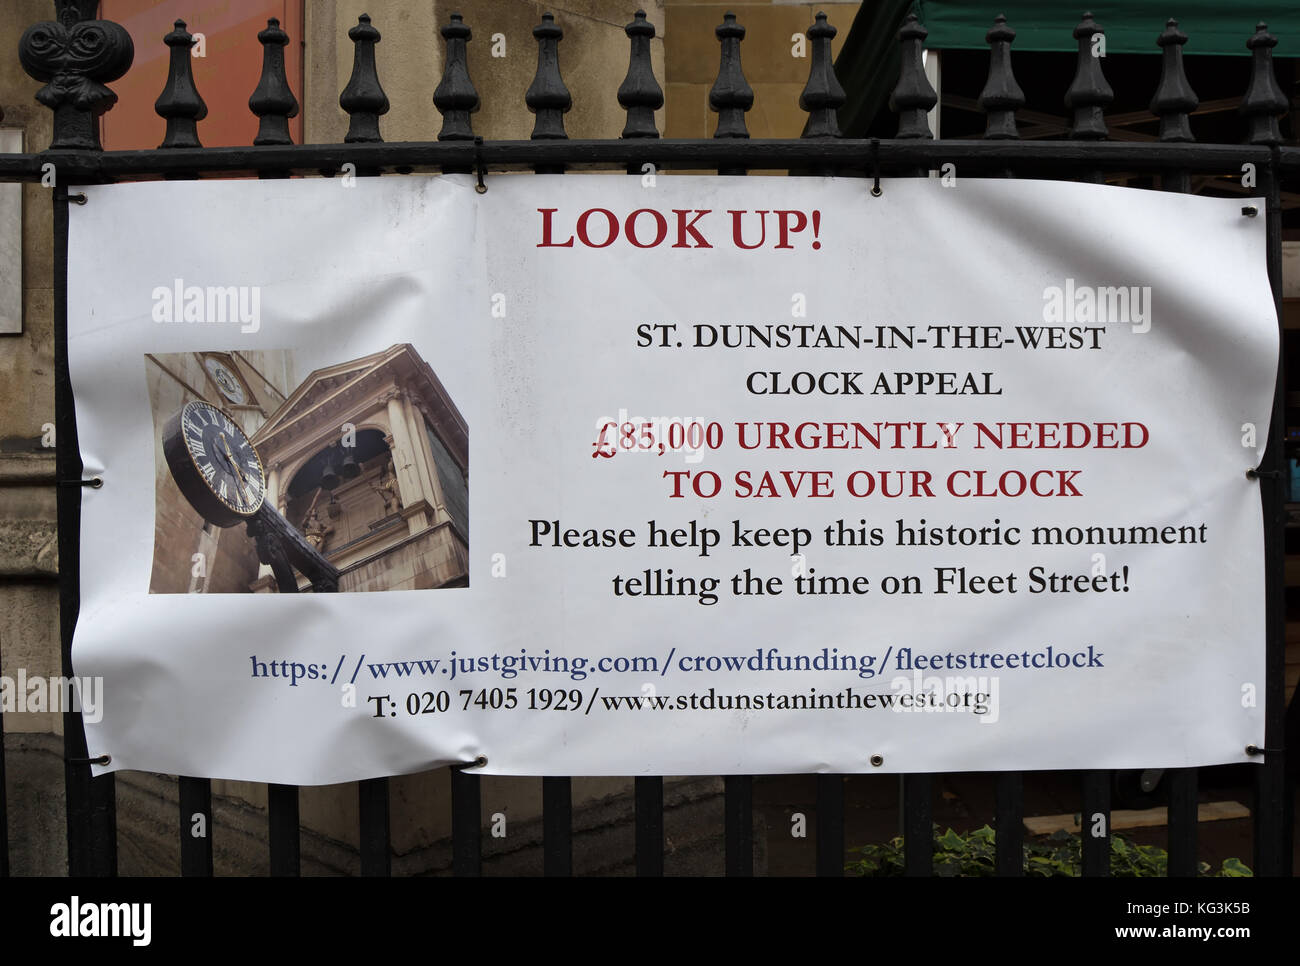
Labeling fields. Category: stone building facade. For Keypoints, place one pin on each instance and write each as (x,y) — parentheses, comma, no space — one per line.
(370,460)
(593,59)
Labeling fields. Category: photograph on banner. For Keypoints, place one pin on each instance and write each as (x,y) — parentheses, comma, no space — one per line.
(241,436)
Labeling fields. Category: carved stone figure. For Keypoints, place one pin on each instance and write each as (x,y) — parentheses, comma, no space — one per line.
(387,488)
(316,530)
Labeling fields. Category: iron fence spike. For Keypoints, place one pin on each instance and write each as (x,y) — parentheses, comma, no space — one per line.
(272,100)
(363,98)
(640,94)
(731,95)
(455,97)
(1002,96)
(1089,93)
(547,97)
(822,96)
(1174,99)
(1264,102)
(914,97)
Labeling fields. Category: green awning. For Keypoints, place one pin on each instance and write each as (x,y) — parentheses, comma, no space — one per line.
(868,62)
(867,65)
(1131,26)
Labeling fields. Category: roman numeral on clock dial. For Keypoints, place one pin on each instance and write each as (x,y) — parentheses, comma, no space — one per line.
(214,464)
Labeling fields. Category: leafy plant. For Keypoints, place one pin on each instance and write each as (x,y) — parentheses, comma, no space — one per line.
(1058,854)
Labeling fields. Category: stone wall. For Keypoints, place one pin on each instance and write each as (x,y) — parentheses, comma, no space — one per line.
(593,59)
(434,558)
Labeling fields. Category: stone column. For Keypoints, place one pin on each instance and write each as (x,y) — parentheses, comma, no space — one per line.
(424,456)
(404,460)
(273,485)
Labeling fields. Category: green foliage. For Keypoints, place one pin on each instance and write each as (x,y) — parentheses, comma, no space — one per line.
(1232,868)
(1058,854)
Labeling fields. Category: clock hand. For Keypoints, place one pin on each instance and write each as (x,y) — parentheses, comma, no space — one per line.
(243,482)
(233,465)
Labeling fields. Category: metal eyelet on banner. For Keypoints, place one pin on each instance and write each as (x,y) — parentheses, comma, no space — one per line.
(1250,211)
(479,762)
(101,760)
(479,168)
(95,482)
(875,168)
(1254,750)
(77,199)
(1255,473)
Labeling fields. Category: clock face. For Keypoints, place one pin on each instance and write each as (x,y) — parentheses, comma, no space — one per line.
(214,464)
(226,380)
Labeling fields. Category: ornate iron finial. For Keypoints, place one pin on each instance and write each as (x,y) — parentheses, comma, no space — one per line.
(1264,102)
(822,96)
(640,94)
(76,55)
(273,101)
(455,98)
(70,12)
(364,98)
(1002,96)
(179,103)
(913,98)
(1089,93)
(731,95)
(547,97)
(1174,98)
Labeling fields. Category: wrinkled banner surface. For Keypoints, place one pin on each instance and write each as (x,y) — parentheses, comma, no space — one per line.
(768,475)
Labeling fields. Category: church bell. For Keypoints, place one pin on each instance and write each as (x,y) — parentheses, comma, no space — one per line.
(329,477)
(351,470)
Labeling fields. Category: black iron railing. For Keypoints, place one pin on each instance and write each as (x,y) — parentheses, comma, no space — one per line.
(76,55)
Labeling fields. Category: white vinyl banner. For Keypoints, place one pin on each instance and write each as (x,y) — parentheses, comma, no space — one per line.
(769,475)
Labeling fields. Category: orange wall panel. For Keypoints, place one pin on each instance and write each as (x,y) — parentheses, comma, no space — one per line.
(224,77)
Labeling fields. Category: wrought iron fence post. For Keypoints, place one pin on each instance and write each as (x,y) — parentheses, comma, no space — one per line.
(913,97)
(640,94)
(180,104)
(547,97)
(1174,99)
(1002,96)
(1273,809)
(455,97)
(1264,102)
(273,101)
(731,95)
(822,96)
(1089,93)
(76,55)
(363,99)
